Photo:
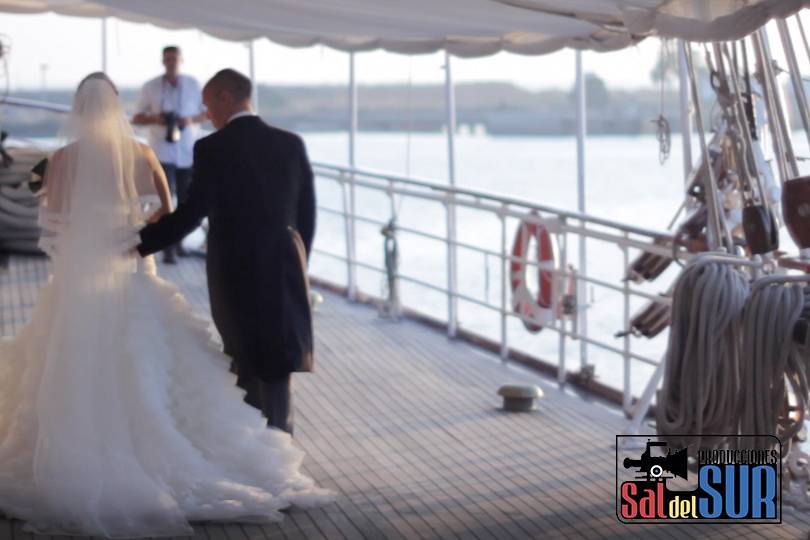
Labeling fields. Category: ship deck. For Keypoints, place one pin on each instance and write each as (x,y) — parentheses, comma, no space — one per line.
(405,424)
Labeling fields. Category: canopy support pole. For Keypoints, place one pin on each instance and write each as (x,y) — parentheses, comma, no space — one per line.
(252,67)
(104,44)
(450,97)
(582,300)
(350,222)
(686,113)
(452,269)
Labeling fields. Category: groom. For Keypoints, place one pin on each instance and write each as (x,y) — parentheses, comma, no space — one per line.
(255,184)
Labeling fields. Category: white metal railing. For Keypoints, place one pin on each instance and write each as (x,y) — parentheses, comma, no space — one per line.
(561,224)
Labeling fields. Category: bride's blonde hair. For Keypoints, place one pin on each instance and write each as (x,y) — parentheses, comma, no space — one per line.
(100,75)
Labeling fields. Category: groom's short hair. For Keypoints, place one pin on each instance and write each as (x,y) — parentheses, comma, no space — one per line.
(232,81)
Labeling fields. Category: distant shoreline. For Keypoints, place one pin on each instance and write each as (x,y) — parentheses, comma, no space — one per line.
(497,109)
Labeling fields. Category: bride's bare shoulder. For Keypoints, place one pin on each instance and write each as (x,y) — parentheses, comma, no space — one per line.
(148,153)
(145,151)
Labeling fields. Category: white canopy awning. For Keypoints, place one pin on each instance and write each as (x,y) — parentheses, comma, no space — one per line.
(464,27)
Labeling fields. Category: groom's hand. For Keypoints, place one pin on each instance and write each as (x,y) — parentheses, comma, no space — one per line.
(130,242)
(159,213)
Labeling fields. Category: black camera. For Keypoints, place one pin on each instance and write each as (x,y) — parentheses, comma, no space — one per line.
(173,126)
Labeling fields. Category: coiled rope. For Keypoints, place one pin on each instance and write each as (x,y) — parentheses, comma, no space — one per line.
(771,360)
(700,387)
(773,373)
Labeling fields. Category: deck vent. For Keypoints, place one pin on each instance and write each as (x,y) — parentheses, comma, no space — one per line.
(519,397)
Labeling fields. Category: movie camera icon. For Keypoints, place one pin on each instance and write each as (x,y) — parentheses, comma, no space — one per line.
(654,467)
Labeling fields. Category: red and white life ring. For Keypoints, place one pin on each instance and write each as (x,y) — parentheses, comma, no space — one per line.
(536,311)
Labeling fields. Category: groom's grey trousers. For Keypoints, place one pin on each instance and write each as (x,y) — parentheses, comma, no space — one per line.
(273,398)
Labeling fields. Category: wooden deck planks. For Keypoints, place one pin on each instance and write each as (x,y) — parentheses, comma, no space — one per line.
(405,424)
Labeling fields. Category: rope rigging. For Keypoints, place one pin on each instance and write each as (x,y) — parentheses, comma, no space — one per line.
(663,130)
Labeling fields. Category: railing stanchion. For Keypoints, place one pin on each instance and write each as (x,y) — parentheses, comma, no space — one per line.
(563,321)
(504,285)
(627,394)
(582,301)
(347,224)
(452,269)
(351,287)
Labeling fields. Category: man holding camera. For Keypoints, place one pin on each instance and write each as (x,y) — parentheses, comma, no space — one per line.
(171,106)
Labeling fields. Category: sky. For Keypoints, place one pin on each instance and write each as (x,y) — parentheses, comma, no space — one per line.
(70,47)
(56,51)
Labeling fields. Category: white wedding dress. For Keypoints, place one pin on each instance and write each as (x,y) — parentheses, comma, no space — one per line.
(119,416)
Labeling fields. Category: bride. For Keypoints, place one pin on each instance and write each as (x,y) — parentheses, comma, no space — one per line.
(118,415)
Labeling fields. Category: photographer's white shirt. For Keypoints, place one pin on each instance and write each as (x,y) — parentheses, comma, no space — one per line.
(184,99)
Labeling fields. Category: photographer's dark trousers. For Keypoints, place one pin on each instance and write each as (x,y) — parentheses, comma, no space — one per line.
(273,398)
(179,180)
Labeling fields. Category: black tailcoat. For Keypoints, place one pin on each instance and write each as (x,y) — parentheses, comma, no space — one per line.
(255,184)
